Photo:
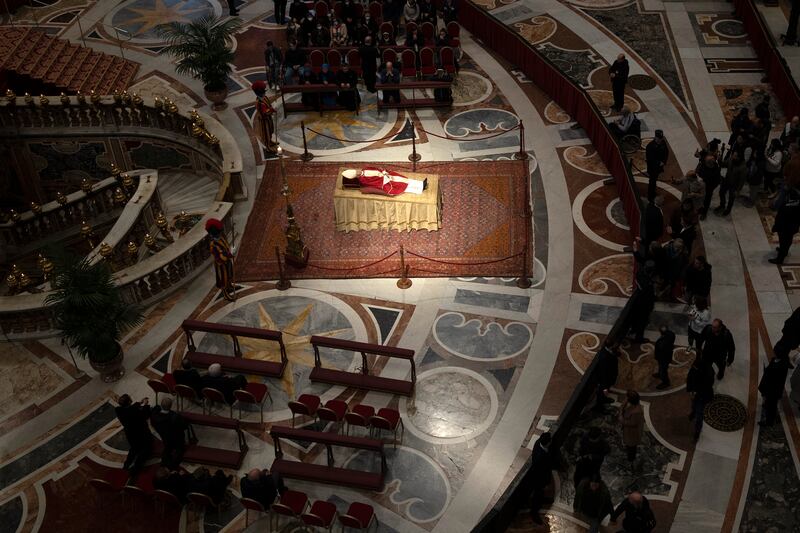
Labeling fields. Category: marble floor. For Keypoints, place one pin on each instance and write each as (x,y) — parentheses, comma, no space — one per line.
(495,363)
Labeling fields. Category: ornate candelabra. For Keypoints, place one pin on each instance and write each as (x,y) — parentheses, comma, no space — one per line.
(163,227)
(87,232)
(296,250)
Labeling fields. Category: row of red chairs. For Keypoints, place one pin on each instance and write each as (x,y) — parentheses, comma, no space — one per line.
(253,394)
(337,412)
(408,59)
(321,513)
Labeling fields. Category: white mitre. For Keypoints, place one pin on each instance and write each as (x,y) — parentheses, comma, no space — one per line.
(350,173)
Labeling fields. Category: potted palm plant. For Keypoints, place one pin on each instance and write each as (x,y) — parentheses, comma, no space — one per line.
(90,312)
(203,49)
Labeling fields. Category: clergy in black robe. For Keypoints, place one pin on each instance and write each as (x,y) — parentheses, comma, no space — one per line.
(346,79)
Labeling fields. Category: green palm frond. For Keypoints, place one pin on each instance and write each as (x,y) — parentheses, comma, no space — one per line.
(202,47)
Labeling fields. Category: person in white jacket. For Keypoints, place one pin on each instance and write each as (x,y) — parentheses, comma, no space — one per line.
(700,316)
(773,165)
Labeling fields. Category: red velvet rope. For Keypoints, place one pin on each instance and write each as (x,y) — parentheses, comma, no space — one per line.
(464,264)
(350,140)
(473,139)
(355,268)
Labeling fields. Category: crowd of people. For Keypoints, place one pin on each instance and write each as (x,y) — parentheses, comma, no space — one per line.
(137,419)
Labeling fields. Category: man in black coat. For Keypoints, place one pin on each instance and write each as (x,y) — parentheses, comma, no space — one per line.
(133,417)
(771,387)
(700,383)
(716,346)
(618,72)
(540,474)
(664,347)
(298,11)
(791,335)
(186,375)
(656,155)
(653,220)
(171,427)
(261,486)
(347,80)
(280,11)
(710,173)
(390,75)
(215,379)
(787,223)
(639,518)
(369,63)
(607,372)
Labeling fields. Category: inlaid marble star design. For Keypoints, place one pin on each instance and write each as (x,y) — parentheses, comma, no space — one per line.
(149,15)
(341,124)
(297,344)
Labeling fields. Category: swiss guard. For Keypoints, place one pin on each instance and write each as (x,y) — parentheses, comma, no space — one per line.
(223,258)
(263,122)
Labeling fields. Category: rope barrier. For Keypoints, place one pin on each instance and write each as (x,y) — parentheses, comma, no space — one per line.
(351,140)
(447,137)
(354,268)
(464,264)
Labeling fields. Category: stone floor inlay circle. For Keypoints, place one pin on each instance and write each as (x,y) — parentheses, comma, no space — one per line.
(450,403)
(730,28)
(725,413)
(641,82)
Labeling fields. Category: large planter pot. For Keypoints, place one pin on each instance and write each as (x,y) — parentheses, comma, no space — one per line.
(217,98)
(111,370)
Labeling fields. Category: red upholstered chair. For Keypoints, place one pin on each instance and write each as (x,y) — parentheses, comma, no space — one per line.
(306,405)
(428,33)
(359,10)
(254,393)
(359,516)
(410,27)
(213,396)
(376,11)
(337,9)
(316,58)
(321,9)
(333,411)
(453,30)
(165,500)
(292,504)
(354,60)
(427,66)
(322,514)
(165,385)
(409,60)
(447,56)
(387,27)
(334,59)
(359,415)
(251,505)
(202,501)
(112,484)
(184,392)
(133,496)
(389,420)
(389,55)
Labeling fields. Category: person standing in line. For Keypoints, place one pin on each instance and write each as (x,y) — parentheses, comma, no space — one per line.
(133,417)
(787,223)
(709,172)
(631,418)
(697,281)
(717,346)
(700,317)
(233,8)
(664,347)
(541,474)
(369,63)
(771,387)
(653,220)
(280,11)
(773,164)
(700,383)
(790,38)
(171,427)
(656,155)
(618,72)
(273,59)
(639,517)
(607,372)
(593,502)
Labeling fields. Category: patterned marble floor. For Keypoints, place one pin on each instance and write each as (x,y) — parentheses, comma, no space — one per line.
(495,363)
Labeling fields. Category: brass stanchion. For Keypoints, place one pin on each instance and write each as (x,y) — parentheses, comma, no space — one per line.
(306,156)
(414,157)
(283,283)
(522,154)
(403,282)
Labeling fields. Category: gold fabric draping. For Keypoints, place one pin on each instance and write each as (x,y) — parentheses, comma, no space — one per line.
(362,212)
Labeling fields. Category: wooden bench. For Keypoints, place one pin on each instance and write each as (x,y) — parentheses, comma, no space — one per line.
(329,473)
(235,362)
(362,380)
(413,102)
(214,456)
(314,88)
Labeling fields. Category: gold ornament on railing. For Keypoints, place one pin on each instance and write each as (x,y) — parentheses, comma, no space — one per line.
(65,101)
(150,242)
(137,100)
(117,97)
(127,182)
(11,281)
(86,229)
(132,250)
(23,281)
(81,98)
(61,199)
(157,103)
(28,99)
(11,98)
(212,140)
(171,107)
(94,97)
(163,227)
(86,185)
(106,251)
(43,100)
(126,98)
(119,197)
(46,266)
(115,171)
(197,131)
(36,208)
(14,215)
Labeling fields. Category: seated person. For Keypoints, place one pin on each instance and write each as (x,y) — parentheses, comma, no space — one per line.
(621,126)
(347,79)
(293,63)
(443,39)
(307,77)
(327,77)
(390,75)
(415,41)
(186,375)
(176,483)
(215,379)
(386,40)
(261,486)
(215,487)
